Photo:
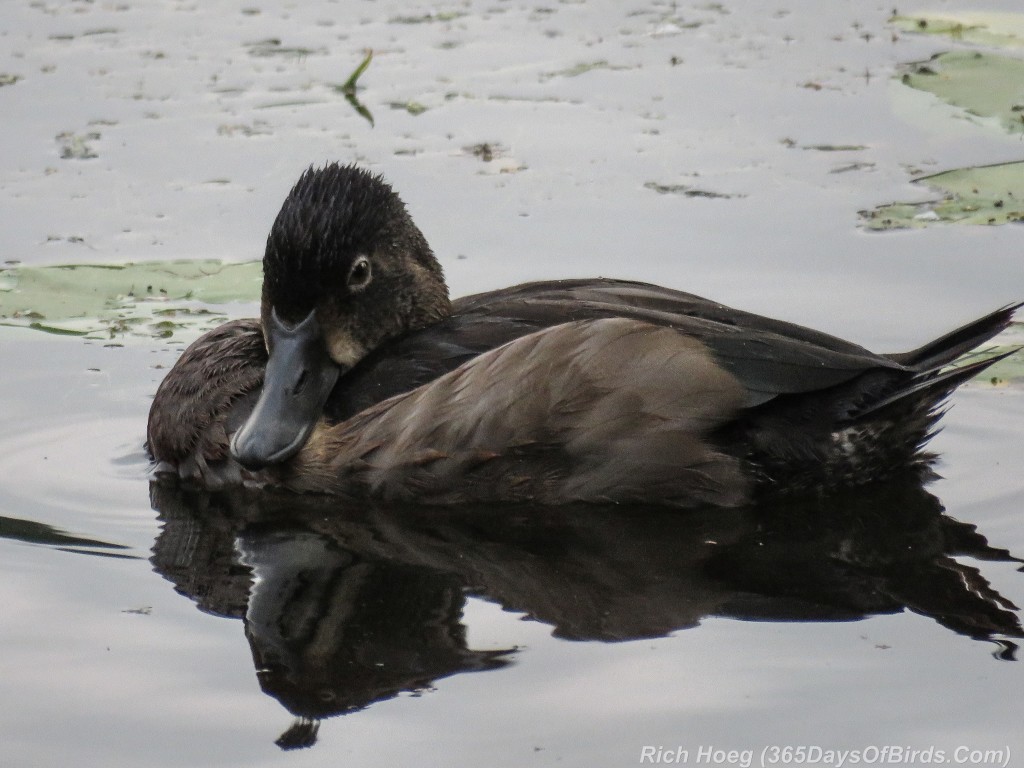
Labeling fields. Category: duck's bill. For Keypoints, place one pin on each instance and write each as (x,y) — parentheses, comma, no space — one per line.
(299,378)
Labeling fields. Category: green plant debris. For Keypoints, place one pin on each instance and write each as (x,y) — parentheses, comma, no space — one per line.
(582,68)
(1001,30)
(987,194)
(104,301)
(288,103)
(428,18)
(486,151)
(686,190)
(75,146)
(984,85)
(273,47)
(835,147)
(349,88)
(502,98)
(791,143)
(257,128)
(412,107)
(847,167)
(6,79)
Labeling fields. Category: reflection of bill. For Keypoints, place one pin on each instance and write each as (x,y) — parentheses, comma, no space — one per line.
(332,632)
(344,607)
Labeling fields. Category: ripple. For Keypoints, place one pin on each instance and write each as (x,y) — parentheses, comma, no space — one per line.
(64,475)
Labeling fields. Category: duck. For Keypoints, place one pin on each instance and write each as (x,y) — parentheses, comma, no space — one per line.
(362,379)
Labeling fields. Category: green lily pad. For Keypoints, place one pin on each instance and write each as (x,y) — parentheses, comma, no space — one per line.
(105,301)
(1002,30)
(986,194)
(984,85)
(1009,371)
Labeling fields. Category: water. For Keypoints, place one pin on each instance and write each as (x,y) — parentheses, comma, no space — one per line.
(128,636)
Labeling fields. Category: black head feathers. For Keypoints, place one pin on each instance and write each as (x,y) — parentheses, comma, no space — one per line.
(332,215)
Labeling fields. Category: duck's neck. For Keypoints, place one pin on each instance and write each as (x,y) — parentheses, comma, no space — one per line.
(431,304)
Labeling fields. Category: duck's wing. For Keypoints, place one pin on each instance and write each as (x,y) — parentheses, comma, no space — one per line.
(604,410)
(769,357)
(588,299)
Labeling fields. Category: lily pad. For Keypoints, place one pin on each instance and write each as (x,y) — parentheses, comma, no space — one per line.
(984,85)
(106,301)
(1002,30)
(986,194)
(1009,371)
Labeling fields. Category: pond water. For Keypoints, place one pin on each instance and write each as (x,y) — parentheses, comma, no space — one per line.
(721,148)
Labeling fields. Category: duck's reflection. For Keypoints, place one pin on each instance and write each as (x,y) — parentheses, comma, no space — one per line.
(332,631)
(344,607)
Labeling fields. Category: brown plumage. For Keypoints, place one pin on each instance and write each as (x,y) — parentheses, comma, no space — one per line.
(605,410)
(209,394)
(592,390)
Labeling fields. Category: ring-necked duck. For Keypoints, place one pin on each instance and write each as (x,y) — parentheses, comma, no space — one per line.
(595,390)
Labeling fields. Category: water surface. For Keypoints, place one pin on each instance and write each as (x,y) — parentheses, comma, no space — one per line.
(150,132)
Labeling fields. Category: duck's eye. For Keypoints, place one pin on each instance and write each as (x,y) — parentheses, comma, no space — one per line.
(360,274)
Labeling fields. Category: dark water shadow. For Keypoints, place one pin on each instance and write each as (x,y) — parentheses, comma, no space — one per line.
(347,606)
(32,532)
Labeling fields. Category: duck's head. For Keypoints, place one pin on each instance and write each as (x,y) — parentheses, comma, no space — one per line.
(345,270)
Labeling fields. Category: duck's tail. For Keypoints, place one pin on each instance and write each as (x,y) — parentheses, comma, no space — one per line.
(933,386)
(945,349)
(878,424)
(906,418)
(944,364)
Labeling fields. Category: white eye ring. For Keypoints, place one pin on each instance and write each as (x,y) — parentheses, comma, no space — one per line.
(360,274)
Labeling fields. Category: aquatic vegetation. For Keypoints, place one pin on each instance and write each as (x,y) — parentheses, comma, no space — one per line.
(990,194)
(686,190)
(1002,30)
(349,87)
(179,299)
(985,88)
(984,85)
(76,146)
